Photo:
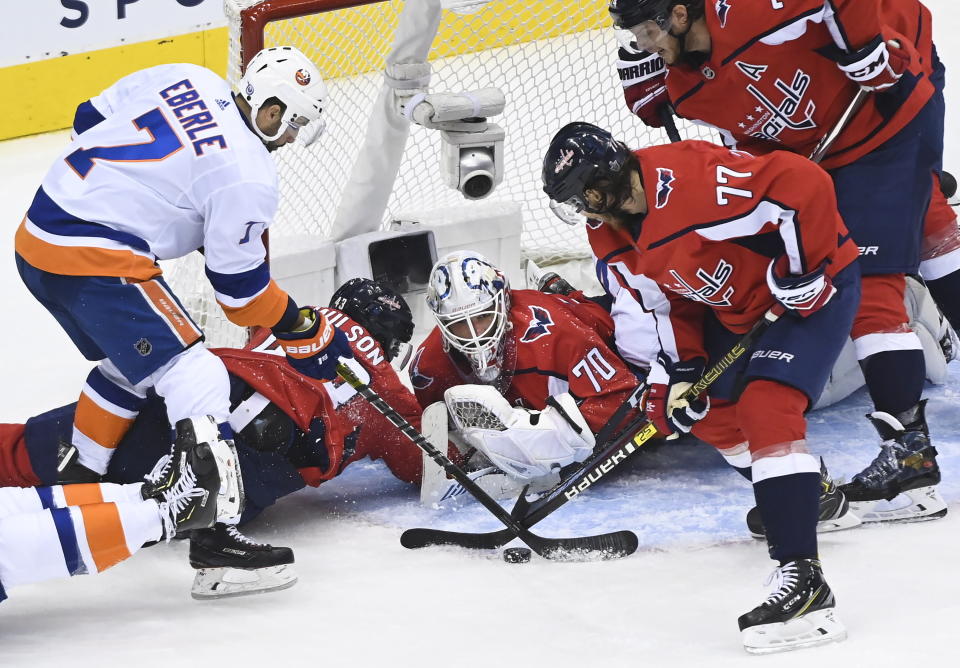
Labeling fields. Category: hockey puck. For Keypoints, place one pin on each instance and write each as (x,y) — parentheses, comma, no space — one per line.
(517,555)
(948,184)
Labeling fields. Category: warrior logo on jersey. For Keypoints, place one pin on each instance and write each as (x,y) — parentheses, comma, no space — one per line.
(566,159)
(417,379)
(712,285)
(723,8)
(664,188)
(539,326)
(302,77)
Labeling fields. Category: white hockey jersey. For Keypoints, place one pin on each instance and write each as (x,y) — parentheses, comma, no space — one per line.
(162,163)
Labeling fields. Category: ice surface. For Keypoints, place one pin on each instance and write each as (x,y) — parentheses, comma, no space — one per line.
(363,600)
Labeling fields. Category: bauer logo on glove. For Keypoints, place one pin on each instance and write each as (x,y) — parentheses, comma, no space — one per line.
(316,347)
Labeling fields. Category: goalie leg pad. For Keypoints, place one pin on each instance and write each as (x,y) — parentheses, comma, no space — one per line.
(211,583)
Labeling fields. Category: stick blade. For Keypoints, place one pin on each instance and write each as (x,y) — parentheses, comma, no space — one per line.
(414,539)
(602,547)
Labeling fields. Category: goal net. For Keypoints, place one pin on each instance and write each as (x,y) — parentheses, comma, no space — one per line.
(554,60)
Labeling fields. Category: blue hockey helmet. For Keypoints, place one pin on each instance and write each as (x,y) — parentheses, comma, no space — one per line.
(582,157)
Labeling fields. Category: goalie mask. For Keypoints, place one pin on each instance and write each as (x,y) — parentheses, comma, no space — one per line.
(585,171)
(285,73)
(470,299)
(381,311)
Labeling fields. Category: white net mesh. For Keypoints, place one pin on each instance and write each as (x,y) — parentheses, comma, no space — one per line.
(553,59)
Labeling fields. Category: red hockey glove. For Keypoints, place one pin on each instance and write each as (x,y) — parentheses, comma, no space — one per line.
(644,79)
(316,347)
(670,414)
(804,295)
(878,65)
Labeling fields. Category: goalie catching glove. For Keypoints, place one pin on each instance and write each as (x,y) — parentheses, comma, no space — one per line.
(525,444)
(663,405)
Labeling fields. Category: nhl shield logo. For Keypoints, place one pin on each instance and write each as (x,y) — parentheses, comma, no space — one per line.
(143,347)
(302,77)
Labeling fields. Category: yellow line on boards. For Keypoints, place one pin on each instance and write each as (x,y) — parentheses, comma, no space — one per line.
(50,90)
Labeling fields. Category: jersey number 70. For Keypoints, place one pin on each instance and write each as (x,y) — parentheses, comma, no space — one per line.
(163,143)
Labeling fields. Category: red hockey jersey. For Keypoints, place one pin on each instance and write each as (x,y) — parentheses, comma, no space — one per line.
(772,80)
(263,367)
(562,343)
(716,218)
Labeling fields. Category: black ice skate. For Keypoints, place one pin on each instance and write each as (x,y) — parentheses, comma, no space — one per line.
(189,501)
(799,613)
(906,465)
(189,433)
(835,513)
(230,564)
(69,469)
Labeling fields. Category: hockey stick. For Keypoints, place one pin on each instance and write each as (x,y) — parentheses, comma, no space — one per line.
(827,140)
(590,472)
(666,117)
(607,546)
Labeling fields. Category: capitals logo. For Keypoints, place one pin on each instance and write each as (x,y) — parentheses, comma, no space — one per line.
(723,8)
(665,180)
(302,77)
(539,326)
(418,380)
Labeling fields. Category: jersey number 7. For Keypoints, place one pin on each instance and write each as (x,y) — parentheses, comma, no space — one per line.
(163,143)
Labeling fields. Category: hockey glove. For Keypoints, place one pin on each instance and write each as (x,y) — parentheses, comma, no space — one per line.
(877,66)
(645,87)
(803,295)
(670,414)
(315,348)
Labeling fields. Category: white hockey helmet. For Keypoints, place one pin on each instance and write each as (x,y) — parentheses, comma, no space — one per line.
(470,299)
(285,73)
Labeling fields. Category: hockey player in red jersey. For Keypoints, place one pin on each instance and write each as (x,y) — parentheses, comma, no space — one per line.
(540,365)
(708,240)
(779,75)
(291,431)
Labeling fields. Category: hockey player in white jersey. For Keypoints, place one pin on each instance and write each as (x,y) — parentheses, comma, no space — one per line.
(66,530)
(167,161)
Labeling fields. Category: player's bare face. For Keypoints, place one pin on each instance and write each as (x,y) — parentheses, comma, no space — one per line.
(269,120)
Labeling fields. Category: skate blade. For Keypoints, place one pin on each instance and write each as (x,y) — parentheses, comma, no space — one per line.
(922,504)
(210,583)
(849,520)
(814,628)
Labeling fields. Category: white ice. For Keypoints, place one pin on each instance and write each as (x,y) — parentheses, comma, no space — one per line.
(363,600)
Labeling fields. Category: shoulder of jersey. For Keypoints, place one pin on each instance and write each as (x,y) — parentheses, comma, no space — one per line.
(538,317)
(735,24)
(245,147)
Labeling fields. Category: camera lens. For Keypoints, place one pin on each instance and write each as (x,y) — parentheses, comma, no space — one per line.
(478,186)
